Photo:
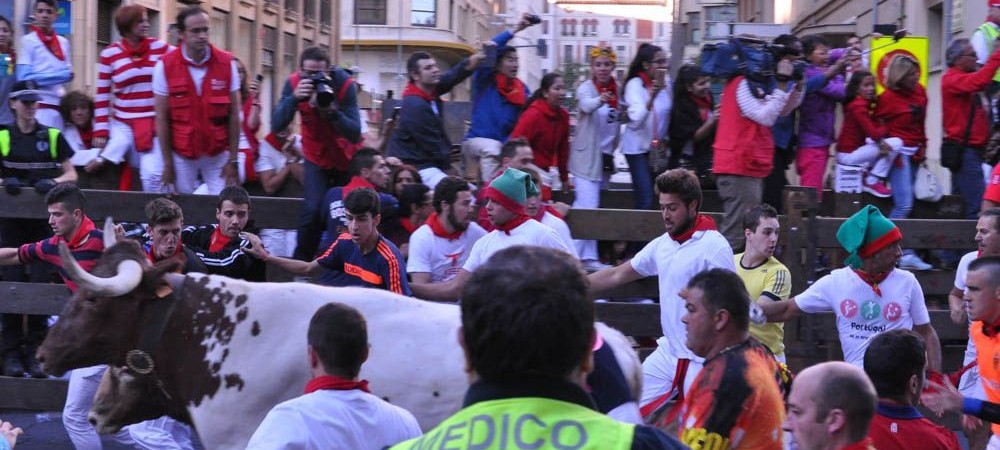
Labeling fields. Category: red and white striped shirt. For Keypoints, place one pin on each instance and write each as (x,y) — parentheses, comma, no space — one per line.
(131,81)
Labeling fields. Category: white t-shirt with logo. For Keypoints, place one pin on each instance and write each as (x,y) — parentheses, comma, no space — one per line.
(438,256)
(861,313)
(530,232)
(674,265)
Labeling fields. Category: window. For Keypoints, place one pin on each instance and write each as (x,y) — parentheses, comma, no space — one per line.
(423,13)
(309,9)
(105,23)
(270,45)
(219,28)
(567,54)
(545,27)
(622,27)
(292,5)
(325,12)
(586,53)
(720,13)
(568,27)
(245,33)
(622,53)
(369,12)
(694,28)
(291,52)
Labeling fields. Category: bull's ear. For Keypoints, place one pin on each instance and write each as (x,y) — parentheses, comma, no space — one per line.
(152,277)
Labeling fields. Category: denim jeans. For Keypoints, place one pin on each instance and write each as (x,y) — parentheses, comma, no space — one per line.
(969,183)
(317,181)
(901,180)
(642,180)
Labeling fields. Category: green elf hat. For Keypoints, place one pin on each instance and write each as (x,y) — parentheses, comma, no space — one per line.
(511,189)
(865,233)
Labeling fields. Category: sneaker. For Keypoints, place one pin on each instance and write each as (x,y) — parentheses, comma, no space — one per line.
(913,262)
(878,189)
(593,265)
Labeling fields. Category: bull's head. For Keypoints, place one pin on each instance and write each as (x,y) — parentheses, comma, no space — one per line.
(102,320)
(125,398)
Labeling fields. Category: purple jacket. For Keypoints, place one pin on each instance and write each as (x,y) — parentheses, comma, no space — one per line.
(818,111)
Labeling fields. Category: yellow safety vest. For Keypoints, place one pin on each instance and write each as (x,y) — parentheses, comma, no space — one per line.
(990,33)
(531,422)
(5,142)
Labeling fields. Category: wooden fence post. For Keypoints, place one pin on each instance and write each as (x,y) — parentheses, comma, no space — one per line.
(800,258)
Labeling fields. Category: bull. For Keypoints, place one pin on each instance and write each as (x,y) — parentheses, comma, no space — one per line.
(228,350)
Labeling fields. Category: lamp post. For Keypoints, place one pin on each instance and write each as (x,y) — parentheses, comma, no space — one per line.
(555,35)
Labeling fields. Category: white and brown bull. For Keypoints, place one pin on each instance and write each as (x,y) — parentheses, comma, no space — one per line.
(231,350)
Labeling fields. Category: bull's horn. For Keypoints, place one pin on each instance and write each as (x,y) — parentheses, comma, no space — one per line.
(110,237)
(128,277)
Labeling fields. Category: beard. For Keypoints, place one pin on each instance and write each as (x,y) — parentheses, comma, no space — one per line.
(457,225)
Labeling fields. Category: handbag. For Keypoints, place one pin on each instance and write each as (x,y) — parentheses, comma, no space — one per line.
(926,186)
(951,151)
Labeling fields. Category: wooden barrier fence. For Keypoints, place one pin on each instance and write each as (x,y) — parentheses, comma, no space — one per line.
(808,338)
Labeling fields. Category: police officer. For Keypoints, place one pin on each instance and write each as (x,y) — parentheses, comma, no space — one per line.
(31,155)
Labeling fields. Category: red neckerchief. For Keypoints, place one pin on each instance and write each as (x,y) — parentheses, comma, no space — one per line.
(137,53)
(413,89)
(873,280)
(335,383)
(864,444)
(704,105)
(86,226)
(149,252)
(272,139)
(646,82)
(356,183)
(439,230)
(611,88)
(513,223)
(87,136)
(51,42)
(218,241)
(511,88)
(547,209)
(408,225)
(701,223)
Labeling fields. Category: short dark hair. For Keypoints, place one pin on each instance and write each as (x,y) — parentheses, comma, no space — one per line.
(73,100)
(314,54)
(525,315)
(810,42)
(339,335)
(363,200)
(51,3)
(362,159)
(991,264)
(412,194)
(413,63)
(127,16)
(751,218)
(447,191)
(850,392)
(995,214)
(162,210)
(509,148)
(69,194)
(188,12)
(7,21)
(235,194)
(681,182)
(892,358)
(854,85)
(724,289)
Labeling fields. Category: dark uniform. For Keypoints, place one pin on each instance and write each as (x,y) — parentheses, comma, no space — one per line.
(224,256)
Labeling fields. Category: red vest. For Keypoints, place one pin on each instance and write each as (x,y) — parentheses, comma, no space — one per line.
(321,144)
(742,146)
(199,125)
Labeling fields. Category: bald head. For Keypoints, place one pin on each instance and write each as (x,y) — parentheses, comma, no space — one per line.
(832,402)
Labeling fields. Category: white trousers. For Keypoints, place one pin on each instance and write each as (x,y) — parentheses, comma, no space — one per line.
(868,155)
(162,434)
(279,242)
(432,176)
(483,152)
(208,168)
(658,372)
(83,385)
(587,196)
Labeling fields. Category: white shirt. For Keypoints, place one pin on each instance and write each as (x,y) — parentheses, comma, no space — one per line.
(528,233)
(559,226)
(644,125)
(438,256)
(81,156)
(674,265)
(862,314)
(330,419)
(35,54)
(197,75)
(270,158)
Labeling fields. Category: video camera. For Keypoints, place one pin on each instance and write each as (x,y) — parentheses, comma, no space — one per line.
(753,58)
(326,93)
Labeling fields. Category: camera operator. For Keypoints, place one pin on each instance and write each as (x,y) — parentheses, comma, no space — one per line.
(326,99)
(744,146)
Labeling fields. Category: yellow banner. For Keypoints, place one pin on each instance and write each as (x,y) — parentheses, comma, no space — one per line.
(885,50)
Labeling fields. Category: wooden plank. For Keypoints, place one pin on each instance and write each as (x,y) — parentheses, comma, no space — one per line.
(615,224)
(632,319)
(624,199)
(33,298)
(917,233)
(33,394)
(949,207)
(644,288)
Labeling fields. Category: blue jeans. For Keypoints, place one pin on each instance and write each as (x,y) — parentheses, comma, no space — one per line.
(317,181)
(901,179)
(969,183)
(642,180)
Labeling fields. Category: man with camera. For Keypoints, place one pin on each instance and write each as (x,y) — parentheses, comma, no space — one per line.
(196,89)
(326,99)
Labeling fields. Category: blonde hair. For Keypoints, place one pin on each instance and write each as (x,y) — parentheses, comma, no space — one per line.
(899,68)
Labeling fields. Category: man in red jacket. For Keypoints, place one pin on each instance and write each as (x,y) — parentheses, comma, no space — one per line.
(965,120)
(196,87)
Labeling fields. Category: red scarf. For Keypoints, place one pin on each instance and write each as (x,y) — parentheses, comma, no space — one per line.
(87,136)
(138,53)
(704,105)
(439,230)
(51,42)
(272,139)
(611,88)
(511,88)
(152,258)
(409,226)
(413,89)
(873,280)
(356,183)
(86,226)
(646,82)
(547,209)
(218,241)
(864,444)
(701,223)
(335,383)
(513,223)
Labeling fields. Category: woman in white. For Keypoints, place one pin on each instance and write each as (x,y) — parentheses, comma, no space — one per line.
(647,94)
(77,110)
(597,132)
